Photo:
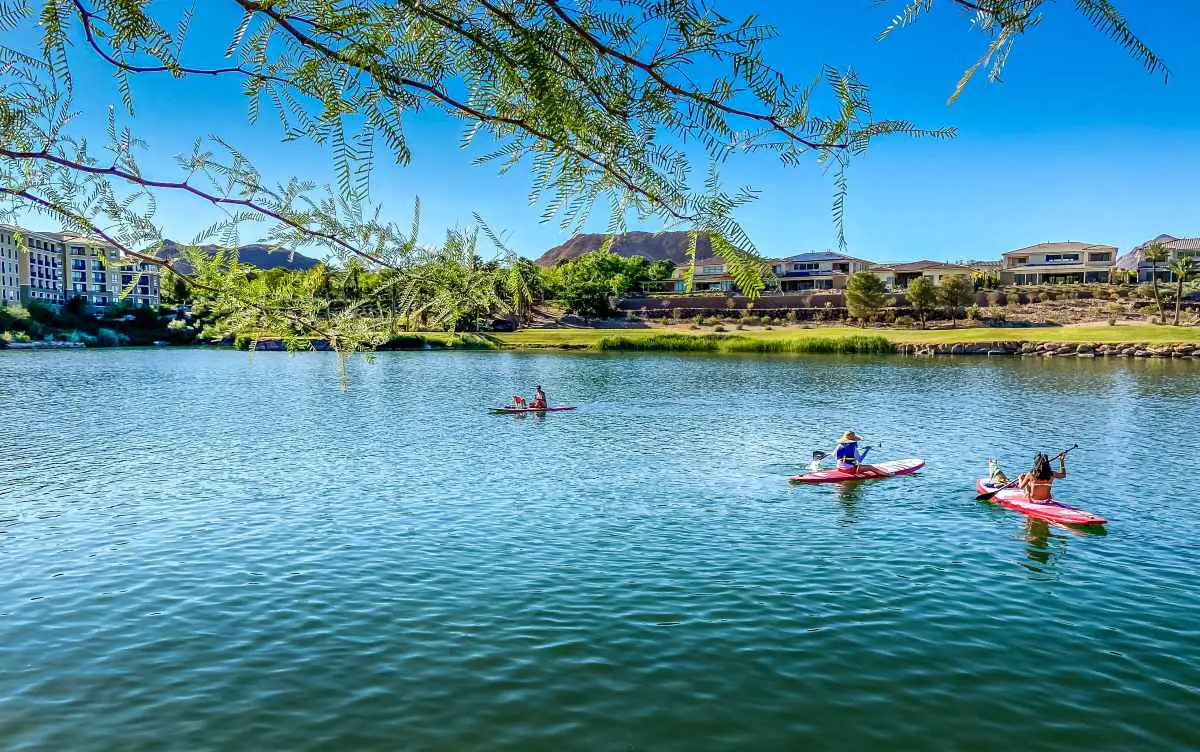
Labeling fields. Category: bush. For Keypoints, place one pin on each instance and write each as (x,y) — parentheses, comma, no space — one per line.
(791,317)
(719,328)
(677,314)
(110,338)
(710,321)
(904,321)
(973,313)
(1044,296)
(1112,321)
(16,337)
(41,313)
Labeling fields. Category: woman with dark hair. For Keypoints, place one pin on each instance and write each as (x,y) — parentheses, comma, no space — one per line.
(1038,483)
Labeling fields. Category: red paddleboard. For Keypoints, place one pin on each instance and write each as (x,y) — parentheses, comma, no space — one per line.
(1051,511)
(520,410)
(895,467)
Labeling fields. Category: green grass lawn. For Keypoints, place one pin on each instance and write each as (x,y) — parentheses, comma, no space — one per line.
(581,338)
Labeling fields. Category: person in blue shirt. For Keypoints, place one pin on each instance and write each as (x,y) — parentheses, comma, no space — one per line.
(849,459)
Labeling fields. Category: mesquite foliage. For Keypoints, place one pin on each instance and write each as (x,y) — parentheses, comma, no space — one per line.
(605,104)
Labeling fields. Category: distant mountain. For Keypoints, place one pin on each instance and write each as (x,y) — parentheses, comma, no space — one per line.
(651,245)
(255,254)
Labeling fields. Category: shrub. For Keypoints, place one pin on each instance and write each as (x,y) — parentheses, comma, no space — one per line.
(905,321)
(741,326)
(1112,321)
(791,317)
(1044,296)
(16,337)
(719,328)
(677,314)
(110,338)
(41,313)
(973,313)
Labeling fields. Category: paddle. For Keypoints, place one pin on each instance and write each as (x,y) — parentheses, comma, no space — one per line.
(991,494)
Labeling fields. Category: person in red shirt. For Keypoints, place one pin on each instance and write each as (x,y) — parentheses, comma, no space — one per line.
(539,399)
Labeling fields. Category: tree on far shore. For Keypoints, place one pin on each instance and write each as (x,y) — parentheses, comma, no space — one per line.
(953,294)
(1184,270)
(922,297)
(866,296)
(1156,253)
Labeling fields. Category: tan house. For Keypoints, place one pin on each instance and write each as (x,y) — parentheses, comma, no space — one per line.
(1069,262)
(899,276)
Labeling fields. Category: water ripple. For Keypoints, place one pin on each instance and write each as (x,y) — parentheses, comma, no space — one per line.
(203,550)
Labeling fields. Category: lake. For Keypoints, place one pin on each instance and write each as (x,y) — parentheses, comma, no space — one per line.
(203,549)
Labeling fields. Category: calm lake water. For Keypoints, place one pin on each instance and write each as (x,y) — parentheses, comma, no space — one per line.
(206,550)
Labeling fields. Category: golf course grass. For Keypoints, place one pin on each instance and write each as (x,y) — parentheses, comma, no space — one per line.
(796,339)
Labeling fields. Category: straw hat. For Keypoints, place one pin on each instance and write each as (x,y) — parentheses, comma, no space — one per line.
(849,437)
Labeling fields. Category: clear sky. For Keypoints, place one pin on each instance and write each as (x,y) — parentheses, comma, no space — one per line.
(1078,143)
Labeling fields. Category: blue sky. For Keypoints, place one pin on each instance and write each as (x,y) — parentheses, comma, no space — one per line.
(1078,143)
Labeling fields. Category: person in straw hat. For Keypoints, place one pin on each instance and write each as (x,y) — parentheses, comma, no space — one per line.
(850,459)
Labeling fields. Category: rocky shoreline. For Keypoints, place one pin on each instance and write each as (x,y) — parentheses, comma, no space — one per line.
(1054,349)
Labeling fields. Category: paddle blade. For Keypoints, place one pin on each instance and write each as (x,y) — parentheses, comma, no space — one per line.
(818,456)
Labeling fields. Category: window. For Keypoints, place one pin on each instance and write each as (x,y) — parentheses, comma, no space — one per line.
(806,267)
(98,277)
(1062,258)
(1020,260)
(712,269)
(1099,258)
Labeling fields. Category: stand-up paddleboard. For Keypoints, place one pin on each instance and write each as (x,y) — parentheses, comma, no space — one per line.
(522,410)
(895,467)
(1051,511)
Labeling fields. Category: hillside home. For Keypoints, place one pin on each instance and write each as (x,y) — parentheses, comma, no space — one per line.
(823,270)
(899,276)
(1059,263)
(1176,248)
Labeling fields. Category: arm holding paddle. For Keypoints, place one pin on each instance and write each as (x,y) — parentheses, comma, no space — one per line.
(1062,473)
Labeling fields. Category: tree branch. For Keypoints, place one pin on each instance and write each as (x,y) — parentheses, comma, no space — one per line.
(187,187)
(651,70)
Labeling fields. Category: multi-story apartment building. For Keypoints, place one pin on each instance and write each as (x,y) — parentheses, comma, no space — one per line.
(53,267)
(100,276)
(41,268)
(10,268)
(1067,262)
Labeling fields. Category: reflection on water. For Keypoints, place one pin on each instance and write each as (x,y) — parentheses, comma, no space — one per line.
(200,550)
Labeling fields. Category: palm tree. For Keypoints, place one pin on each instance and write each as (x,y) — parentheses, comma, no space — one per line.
(1183,270)
(1156,253)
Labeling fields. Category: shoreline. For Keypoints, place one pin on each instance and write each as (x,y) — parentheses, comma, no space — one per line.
(1101,340)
